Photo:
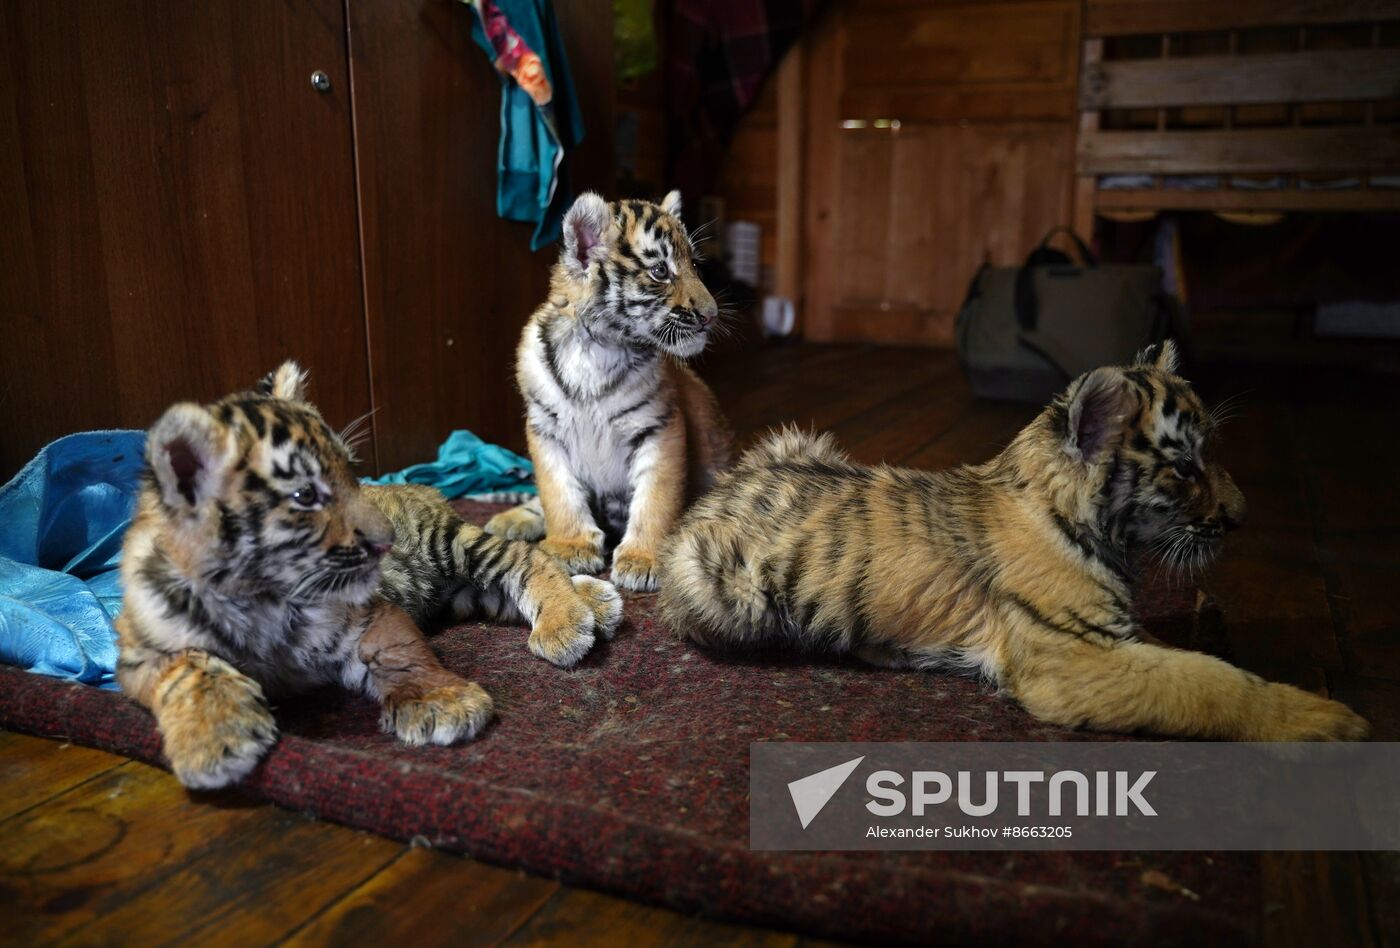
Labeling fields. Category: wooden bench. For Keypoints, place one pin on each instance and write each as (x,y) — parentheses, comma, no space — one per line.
(1238,105)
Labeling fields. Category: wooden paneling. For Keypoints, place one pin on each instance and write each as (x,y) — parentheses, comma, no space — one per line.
(970,61)
(1246,151)
(448,285)
(1027,43)
(925,207)
(177,211)
(1234,80)
(1119,17)
(975,161)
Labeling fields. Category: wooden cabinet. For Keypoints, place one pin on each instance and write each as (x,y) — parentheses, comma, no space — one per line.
(180,209)
(940,136)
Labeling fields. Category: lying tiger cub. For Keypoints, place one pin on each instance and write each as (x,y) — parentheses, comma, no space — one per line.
(1017,568)
(257,561)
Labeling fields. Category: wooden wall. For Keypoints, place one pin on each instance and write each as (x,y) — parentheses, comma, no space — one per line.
(180,210)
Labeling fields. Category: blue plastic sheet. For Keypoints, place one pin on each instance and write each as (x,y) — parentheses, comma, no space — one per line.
(62,519)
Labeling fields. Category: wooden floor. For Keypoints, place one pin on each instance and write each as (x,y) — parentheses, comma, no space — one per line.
(95,848)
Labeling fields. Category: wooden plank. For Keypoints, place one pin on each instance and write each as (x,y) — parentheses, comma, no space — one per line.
(1314,899)
(577,917)
(431,898)
(1244,151)
(1120,17)
(977,43)
(958,103)
(131,856)
(1333,76)
(1085,184)
(1236,199)
(823,50)
(791,153)
(33,770)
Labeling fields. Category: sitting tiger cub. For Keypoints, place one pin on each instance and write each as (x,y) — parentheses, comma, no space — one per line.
(257,561)
(620,431)
(1017,568)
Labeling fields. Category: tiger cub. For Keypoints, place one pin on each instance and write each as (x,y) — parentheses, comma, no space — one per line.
(256,563)
(619,429)
(1017,568)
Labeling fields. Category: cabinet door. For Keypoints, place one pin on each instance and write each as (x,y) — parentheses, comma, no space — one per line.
(177,211)
(941,136)
(448,284)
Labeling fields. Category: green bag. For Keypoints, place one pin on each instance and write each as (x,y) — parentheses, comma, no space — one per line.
(1024,332)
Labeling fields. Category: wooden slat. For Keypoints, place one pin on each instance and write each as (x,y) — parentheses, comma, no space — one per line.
(787,270)
(1120,17)
(1334,76)
(131,858)
(429,898)
(1283,199)
(1246,151)
(993,103)
(33,770)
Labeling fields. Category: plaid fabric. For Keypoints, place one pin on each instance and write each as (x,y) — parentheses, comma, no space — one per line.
(719,52)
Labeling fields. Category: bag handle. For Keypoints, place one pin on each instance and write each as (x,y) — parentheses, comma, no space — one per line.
(1085,254)
(1044,255)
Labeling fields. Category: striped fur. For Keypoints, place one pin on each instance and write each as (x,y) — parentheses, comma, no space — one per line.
(620,431)
(257,564)
(1018,568)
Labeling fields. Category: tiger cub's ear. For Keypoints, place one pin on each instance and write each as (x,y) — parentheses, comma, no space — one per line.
(671,203)
(1096,413)
(585,232)
(190,452)
(287,381)
(1161,356)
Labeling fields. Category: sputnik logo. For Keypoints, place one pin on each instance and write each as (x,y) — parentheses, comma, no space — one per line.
(811,794)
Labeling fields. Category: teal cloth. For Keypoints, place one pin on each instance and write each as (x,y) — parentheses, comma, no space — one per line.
(467,465)
(62,519)
(531,183)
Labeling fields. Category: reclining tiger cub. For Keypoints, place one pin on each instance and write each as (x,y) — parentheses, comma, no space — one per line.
(257,561)
(1017,568)
(621,432)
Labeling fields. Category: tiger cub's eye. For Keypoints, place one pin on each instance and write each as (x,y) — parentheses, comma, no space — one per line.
(660,272)
(305,496)
(1185,469)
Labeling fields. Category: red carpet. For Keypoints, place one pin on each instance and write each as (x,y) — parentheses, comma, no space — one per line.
(630,774)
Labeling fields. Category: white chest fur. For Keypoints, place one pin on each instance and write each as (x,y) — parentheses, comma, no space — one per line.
(593,403)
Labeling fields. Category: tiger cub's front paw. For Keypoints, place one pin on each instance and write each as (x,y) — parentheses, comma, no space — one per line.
(563,631)
(635,569)
(442,715)
(518,523)
(214,722)
(576,554)
(605,601)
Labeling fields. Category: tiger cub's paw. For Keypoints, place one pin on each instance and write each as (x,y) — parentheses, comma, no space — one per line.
(444,715)
(518,523)
(605,601)
(635,569)
(214,722)
(577,554)
(563,632)
(1292,714)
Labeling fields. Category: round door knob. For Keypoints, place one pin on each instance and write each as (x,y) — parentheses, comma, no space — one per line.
(320,81)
